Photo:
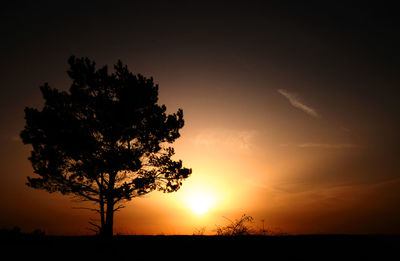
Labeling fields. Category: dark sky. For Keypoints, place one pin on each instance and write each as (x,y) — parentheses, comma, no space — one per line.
(350,42)
(311,88)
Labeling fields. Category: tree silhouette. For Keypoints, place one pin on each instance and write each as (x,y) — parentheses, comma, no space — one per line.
(105,141)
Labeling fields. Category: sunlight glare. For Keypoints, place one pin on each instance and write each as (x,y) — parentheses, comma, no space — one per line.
(200,204)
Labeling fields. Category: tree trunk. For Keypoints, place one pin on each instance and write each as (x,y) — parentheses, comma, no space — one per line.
(102,214)
(107,228)
(101,203)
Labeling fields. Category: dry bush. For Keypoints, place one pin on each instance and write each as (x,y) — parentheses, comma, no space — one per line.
(237,227)
(199,231)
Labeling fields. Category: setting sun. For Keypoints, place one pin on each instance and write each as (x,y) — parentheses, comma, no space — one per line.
(200,197)
(200,203)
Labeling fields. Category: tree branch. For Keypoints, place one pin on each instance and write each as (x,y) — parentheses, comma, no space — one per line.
(94,224)
(118,208)
(90,209)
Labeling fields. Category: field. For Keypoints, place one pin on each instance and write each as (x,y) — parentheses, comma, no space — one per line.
(316,247)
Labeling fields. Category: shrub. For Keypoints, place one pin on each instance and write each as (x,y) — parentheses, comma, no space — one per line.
(237,227)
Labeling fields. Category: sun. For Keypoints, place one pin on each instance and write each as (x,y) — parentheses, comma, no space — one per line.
(200,197)
(200,203)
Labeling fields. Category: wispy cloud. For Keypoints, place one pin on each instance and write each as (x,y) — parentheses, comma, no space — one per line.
(15,138)
(295,101)
(233,139)
(256,184)
(328,145)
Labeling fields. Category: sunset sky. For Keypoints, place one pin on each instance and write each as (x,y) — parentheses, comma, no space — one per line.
(291,110)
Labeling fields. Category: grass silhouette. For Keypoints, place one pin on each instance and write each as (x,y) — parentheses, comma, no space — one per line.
(16,244)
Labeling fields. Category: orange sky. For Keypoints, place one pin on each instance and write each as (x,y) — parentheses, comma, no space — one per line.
(288,121)
(293,171)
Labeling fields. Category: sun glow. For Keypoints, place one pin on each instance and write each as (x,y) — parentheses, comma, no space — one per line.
(200,203)
(200,197)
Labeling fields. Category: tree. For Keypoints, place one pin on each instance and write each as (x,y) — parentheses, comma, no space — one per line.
(105,141)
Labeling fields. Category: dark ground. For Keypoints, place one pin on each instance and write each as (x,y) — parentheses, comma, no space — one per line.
(304,247)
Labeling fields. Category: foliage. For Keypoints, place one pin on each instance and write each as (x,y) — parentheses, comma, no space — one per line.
(237,227)
(199,231)
(104,141)
(16,232)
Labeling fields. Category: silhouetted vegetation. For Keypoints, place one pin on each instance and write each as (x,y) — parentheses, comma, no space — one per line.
(105,141)
(16,233)
(245,226)
(237,227)
(307,247)
(199,231)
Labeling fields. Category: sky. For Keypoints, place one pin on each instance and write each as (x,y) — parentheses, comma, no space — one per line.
(291,110)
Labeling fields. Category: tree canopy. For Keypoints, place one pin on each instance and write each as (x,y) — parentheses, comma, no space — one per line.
(106,140)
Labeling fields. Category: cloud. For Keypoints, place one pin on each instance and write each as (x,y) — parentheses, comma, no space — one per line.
(328,145)
(295,101)
(345,129)
(232,139)
(256,184)
(15,138)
